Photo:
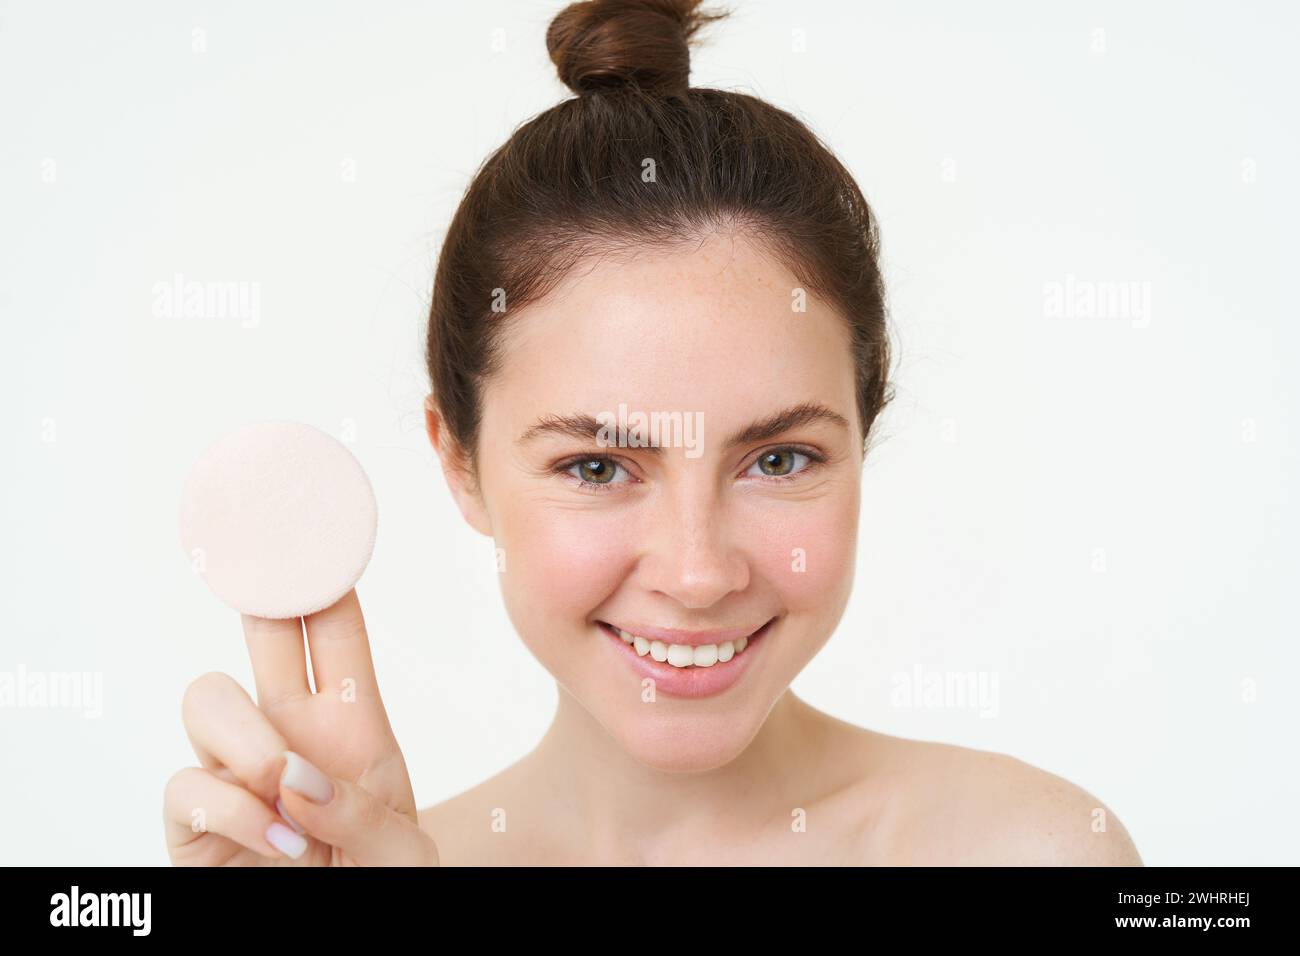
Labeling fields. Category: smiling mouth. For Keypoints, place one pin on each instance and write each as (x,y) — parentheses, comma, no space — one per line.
(686,656)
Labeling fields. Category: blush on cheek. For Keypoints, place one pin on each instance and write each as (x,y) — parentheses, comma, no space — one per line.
(807,553)
(560,565)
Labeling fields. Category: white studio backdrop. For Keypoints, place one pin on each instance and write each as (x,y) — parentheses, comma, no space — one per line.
(1082,494)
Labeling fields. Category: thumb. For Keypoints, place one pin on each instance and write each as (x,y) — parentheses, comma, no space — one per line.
(342,814)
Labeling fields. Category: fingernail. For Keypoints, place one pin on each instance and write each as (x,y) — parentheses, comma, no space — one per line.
(285,840)
(301,776)
(279,806)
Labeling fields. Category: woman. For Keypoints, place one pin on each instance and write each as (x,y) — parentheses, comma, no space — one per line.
(657,346)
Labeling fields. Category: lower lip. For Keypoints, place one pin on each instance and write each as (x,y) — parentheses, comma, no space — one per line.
(690,682)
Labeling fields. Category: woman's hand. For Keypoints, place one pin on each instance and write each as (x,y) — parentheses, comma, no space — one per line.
(326,762)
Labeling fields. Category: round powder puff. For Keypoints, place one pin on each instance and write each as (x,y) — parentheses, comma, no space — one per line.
(279,518)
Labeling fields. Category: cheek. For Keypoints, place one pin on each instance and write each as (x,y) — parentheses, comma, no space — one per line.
(805,550)
(560,563)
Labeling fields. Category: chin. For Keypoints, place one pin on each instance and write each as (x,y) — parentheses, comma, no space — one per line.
(686,741)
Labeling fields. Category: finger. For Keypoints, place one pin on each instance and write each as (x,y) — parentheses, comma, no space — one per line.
(279,658)
(227,730)
(340,649)
(346,815)
(196,802)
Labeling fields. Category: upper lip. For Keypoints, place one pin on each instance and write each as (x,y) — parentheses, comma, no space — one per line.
(692,638)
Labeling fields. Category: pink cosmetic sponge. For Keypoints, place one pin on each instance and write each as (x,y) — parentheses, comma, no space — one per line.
(279,518)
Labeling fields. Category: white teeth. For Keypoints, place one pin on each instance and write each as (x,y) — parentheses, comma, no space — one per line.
(681,655)
(685,655)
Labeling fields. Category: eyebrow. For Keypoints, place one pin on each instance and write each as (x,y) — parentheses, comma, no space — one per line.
(587,427)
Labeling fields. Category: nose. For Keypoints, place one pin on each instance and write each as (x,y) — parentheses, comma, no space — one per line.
(692,553)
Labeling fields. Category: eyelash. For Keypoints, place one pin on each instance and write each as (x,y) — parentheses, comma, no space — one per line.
(815,459)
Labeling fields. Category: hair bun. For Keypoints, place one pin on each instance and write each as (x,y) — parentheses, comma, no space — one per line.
(608,44)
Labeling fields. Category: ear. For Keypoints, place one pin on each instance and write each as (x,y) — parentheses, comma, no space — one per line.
(455,470)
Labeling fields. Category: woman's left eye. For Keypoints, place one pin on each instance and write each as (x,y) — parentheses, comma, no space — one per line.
(779,463)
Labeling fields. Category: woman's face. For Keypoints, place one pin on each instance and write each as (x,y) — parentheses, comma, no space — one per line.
(728,521)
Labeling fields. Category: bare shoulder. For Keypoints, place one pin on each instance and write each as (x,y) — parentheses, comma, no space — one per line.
(462,825)
(951,805)
(494,823)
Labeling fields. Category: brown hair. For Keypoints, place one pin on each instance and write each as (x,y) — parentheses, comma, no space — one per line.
(568,184)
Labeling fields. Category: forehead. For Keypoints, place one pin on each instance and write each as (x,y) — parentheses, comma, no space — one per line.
(710,324)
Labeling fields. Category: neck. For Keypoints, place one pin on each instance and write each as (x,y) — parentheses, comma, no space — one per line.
(612,808)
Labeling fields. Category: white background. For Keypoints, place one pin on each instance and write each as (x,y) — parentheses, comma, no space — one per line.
(1098,511)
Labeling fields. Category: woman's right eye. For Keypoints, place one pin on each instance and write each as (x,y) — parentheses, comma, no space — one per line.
(594,472)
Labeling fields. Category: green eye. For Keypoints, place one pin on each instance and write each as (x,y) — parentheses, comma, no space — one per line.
(780,463)
(596,471)
(776,463)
